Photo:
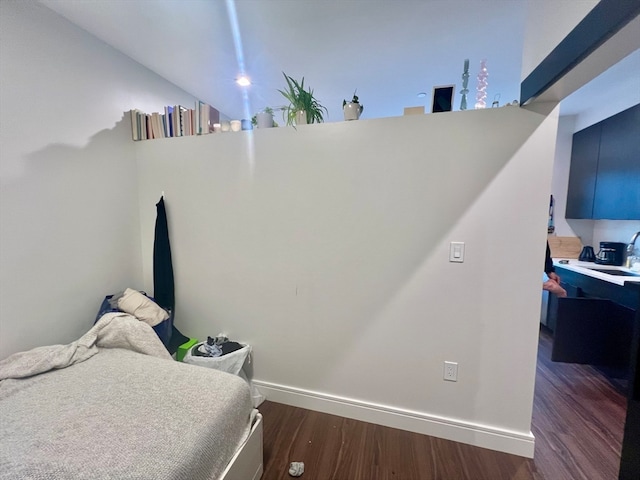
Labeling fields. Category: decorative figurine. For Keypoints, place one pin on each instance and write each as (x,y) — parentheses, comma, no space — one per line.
(481,89)
(465,84)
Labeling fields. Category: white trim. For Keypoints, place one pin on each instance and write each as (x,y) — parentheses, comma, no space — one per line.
(479,435)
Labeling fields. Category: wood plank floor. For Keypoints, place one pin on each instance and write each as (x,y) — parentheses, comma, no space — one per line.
(578,421)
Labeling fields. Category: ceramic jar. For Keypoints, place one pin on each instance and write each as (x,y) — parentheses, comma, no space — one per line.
(352,111)
(264,120)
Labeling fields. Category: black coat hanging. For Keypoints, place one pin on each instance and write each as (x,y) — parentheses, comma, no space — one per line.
(163,281)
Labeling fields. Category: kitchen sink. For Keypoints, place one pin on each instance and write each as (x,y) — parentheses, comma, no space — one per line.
(613,271)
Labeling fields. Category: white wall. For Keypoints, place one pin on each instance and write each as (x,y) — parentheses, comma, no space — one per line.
(615,231)
(608,94)
(326,248)
(560,180)
(69,221)
(330,260)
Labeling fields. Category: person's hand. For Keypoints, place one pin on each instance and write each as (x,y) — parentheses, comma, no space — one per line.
(555,277)
(554,287)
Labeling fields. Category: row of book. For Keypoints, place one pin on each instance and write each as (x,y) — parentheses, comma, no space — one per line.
(176,121)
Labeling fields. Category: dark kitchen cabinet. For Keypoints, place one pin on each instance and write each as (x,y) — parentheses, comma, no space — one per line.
(552,309)
(630,456)
(594,331)
(593,324)
(582,176)
(617,193)
(604,180)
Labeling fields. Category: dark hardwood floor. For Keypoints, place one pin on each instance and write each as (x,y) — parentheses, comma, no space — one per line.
(578,420)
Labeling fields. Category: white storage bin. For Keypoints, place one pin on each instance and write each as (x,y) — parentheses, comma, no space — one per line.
(236,363)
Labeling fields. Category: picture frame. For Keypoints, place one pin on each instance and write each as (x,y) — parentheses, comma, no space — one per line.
(442,98)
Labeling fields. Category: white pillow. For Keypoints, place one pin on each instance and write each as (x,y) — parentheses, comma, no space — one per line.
(144,309)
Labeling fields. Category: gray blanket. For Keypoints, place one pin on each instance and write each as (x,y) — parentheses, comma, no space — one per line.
(113,413)
(113,330)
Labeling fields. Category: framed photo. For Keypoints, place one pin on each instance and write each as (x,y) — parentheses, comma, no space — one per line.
(442,100)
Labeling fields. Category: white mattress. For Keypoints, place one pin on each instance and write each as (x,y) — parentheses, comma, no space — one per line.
(122,415)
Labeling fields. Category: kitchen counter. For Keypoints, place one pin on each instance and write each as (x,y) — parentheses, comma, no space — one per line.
(584,268)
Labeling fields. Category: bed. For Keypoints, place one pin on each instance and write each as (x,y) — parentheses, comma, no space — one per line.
(114,405)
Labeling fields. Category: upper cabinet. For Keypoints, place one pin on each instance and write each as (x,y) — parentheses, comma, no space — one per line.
(617,194)
(604,180)
(582,176)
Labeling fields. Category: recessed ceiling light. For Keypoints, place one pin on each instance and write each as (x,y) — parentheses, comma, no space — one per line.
(422,95)
(243,81)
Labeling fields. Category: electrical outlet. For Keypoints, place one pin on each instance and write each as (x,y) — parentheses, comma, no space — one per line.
(451,371)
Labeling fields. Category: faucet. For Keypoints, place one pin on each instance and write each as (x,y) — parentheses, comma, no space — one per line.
(630,249)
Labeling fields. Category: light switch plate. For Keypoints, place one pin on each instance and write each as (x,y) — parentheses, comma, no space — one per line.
(456,252)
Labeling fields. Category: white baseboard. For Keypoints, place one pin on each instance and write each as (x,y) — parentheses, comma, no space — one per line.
(484,436)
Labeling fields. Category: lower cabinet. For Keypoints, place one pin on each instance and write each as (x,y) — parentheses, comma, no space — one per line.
(594,331)
(552,312)
(593,324)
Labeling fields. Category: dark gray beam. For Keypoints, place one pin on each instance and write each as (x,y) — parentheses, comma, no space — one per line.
(606,19)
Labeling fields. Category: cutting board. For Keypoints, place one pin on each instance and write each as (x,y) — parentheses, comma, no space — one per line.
(564,247)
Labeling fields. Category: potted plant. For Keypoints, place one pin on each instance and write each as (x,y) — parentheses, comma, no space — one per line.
(352,110)
(264,119)
(303,107)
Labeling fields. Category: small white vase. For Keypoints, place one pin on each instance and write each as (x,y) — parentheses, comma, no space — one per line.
(352,111)
(264,120)
(301,117)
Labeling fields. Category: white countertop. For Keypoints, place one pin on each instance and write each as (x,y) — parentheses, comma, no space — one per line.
(584,268)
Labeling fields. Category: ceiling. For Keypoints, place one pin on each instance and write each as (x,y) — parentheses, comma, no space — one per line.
(390,51)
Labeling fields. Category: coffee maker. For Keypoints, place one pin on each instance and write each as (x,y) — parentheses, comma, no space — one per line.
(587,254)
(611,253)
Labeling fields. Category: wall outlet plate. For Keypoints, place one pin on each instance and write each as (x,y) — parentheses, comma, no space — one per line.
(451,371)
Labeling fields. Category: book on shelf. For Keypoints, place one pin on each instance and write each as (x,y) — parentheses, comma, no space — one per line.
(156,126)
(174,121)
(214,117)
(135,131)
(168,116)
(199,110)
(208,116)
(178,118)
(188,122)
(149,124)
(148,129)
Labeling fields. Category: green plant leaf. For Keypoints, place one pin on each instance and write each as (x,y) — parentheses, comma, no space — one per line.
(300,99)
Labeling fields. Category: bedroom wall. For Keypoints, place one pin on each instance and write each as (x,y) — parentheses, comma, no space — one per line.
(69,219)
(327,249)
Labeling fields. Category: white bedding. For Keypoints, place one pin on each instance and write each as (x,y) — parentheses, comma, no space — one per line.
(120,414)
